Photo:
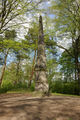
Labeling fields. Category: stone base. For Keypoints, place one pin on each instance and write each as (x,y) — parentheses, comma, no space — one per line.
(42,87)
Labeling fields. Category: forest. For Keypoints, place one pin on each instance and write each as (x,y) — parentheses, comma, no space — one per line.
(19,42)
(40,59)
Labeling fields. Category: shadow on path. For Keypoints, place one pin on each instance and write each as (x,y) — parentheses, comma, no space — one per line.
(47,108)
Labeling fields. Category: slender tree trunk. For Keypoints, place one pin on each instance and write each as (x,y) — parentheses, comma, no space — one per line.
(33,69)
(3,68)
(77,62)
(40,67)
(17,72)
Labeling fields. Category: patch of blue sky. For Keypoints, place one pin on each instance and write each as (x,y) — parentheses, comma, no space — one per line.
(11,58)
(51,16)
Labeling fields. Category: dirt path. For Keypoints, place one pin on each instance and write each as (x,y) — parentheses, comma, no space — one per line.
(24,107)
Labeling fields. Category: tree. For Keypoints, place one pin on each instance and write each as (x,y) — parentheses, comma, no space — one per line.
(67,26)
(20,55)
(9,35)
(11,9)
(67,67)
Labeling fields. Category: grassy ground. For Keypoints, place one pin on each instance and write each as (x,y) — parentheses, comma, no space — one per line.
(38,93)
(64,94)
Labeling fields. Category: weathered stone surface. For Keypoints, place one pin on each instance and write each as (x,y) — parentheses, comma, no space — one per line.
(40,67)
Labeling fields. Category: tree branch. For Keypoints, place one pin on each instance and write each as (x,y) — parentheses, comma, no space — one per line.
(65,50)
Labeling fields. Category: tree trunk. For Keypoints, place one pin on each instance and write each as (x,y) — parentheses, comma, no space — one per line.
(32,71)
(3,69)
(40,67)
(77,63)
(17,72)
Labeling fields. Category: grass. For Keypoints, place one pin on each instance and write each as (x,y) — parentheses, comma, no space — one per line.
(38,93)
(28,92)
(18,90)
(33,93)
(64,94)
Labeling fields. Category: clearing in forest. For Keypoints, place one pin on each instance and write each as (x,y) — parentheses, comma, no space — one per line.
(26,107)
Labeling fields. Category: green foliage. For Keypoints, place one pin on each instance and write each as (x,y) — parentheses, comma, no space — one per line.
(32,87)
(57,86)
(67,63)
(10,34)
(14,81)
(51,70)
(11,9)
(64,24)
(60,86)
(6,86)
(10,87)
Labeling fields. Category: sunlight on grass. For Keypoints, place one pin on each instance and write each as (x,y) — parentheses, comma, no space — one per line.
(28,92)
(64,94)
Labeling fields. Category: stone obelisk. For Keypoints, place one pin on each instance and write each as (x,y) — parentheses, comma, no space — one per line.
(41,83)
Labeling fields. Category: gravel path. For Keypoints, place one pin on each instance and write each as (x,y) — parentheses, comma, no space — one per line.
(25,107)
